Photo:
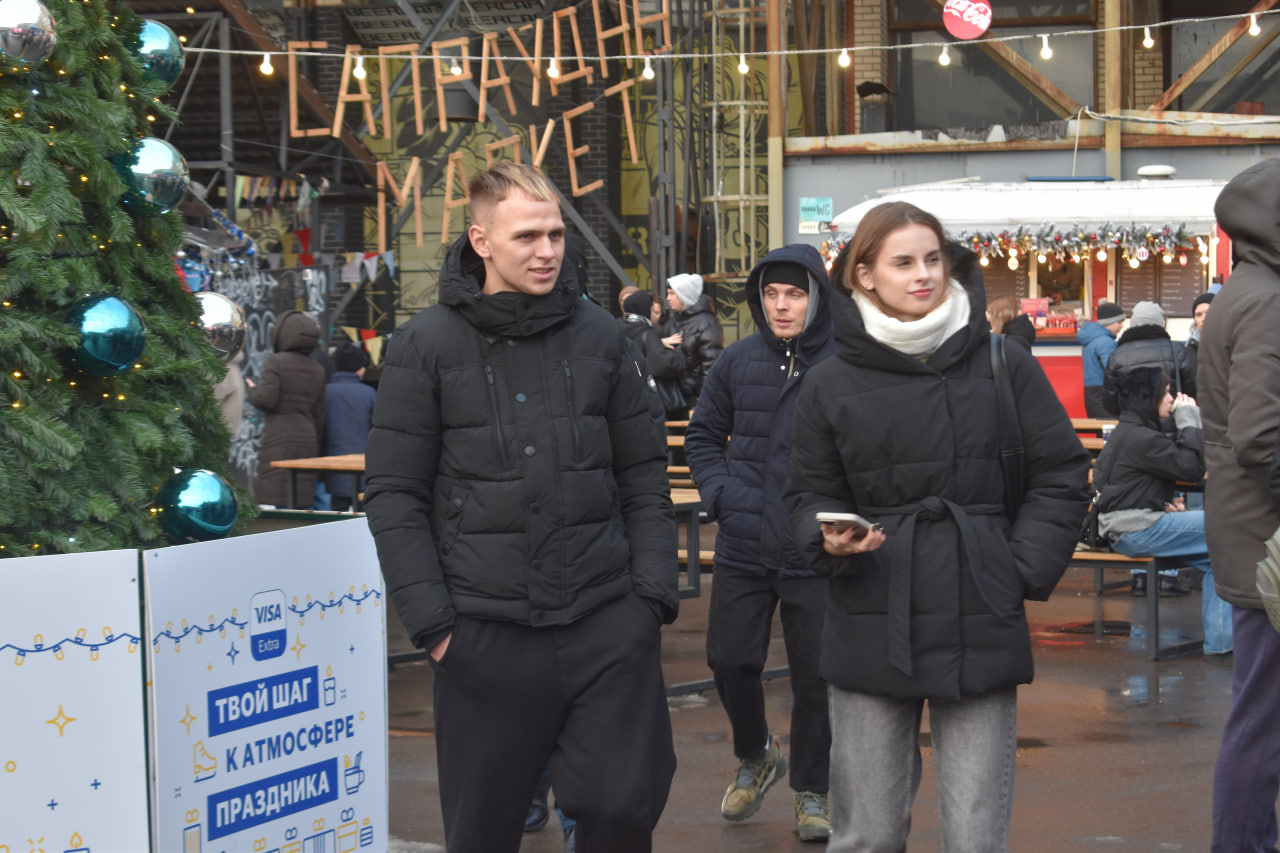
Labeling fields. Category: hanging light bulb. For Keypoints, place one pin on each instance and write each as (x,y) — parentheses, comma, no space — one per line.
(1013,262)
(1133,263)
(1168,259)
(553,68)
(1041,258)
(455,67)
(983,260)
(1204,259)
(1254,29)
(1147,41)
(1102,254)
(1046,52)
(359,73)
(844,58)
(944,58)
(743,68)
(266,67)
(648,69)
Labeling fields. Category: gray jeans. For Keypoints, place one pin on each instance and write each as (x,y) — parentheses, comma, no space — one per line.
(875,770)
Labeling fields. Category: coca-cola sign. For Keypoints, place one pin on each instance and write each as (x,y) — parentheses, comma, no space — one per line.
(966,19)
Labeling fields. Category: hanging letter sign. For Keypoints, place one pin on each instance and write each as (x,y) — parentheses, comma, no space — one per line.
(966,19)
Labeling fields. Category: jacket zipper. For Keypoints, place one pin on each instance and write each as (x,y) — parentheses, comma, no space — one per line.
(791,364)
(573,416)
(497,416)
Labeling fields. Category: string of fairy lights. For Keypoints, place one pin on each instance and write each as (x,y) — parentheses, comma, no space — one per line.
(843,55)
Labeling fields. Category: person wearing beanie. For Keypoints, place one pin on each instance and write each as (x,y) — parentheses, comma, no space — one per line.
(348,411)
(1199,310)
(738,445)
(703,339)
(1146,344)
(665,363)
(1098,337)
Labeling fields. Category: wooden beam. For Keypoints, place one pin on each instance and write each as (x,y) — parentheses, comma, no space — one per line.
(246,21)
(1259,45)
(1036,83)
(1210,56)
(1113,62)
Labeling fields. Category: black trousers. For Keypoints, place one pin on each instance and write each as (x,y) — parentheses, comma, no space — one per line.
(1093,407)
(586,699)
(738,629)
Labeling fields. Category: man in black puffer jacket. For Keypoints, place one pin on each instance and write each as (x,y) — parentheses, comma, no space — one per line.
(1146,344)
(519,500)
(739,445)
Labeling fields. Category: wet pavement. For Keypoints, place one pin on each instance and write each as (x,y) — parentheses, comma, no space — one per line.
(1115,752)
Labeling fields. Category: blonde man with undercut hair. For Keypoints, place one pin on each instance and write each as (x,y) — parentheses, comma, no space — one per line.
(517,492)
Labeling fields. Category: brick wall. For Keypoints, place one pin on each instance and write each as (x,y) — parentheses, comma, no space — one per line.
(870,27)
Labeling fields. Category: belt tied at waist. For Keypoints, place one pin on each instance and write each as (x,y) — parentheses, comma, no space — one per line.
(931,509)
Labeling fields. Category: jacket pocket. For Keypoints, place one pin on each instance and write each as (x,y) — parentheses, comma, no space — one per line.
(499,434)
(573,414)
(454,511)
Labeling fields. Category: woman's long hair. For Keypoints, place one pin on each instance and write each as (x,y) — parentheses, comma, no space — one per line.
(875,227)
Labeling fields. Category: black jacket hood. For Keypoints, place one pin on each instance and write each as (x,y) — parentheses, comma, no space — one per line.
(1248,210)
(1143,333)
(817,324)
(1140,390)
(507,314)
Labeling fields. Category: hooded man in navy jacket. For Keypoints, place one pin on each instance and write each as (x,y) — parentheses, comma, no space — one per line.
(738,444)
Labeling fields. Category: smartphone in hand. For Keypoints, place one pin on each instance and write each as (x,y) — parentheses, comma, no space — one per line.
(846,520)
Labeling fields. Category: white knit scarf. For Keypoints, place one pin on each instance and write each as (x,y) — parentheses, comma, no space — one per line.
(916,338)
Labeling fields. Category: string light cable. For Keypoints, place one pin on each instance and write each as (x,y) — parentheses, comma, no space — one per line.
(1253,17)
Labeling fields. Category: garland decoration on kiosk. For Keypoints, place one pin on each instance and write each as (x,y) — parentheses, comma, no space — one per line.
(1133,242)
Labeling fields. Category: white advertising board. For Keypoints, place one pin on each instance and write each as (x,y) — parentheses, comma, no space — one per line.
(73,768)
(268,693)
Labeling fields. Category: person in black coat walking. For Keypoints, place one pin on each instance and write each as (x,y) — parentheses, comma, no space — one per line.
(519,501)
(348,413)
(702,338)
(1146,344)
(666,363)
(738,444)
(902,428)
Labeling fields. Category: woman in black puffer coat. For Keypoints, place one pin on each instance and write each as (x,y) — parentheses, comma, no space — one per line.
(901,427)
(1146,344)
(666,364)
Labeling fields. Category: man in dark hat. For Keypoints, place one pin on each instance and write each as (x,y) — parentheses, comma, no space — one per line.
(1099,341)
(1199,310)
(739,445)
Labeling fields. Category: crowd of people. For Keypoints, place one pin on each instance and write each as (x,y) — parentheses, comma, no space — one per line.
(853,452)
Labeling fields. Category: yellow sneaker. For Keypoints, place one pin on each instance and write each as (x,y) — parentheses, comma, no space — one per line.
(744,796)
(813,819)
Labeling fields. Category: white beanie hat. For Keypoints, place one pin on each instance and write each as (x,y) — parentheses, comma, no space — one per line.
(1147,313)
(688,287)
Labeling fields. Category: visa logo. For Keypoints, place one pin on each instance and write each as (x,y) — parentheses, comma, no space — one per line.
(269,613)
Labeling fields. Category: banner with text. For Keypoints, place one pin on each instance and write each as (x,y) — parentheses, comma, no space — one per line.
(73,770)
(268,692)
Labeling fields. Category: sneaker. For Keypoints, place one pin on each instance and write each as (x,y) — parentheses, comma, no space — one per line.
(813,820)
(744,796)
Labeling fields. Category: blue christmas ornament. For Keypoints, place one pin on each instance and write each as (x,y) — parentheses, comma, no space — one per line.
(112,335)
(159,51)
(195,506)
(27,31)
(155,176)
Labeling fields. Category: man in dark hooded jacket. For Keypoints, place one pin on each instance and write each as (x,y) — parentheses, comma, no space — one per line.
(1239,380)
(519,501)
(738,445)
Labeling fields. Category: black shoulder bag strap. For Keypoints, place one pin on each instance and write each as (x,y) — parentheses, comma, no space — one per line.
(1177,367)
(1012,454)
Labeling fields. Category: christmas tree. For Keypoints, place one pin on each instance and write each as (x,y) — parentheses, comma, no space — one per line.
(108,373)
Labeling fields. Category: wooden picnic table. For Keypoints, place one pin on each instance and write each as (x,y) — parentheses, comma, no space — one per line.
(350,463)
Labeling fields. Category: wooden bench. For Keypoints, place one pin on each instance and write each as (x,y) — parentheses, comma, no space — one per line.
(1100,561)
(678,475)
(705,558)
